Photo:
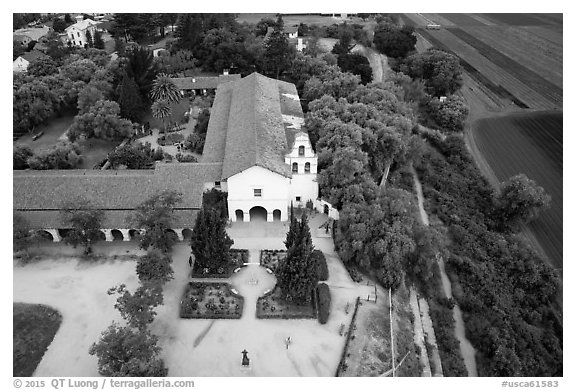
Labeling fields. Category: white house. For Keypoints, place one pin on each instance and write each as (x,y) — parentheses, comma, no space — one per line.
(76,33)
(21,63)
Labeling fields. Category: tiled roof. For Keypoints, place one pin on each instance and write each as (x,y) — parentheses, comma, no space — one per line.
(82,25)
(255,133)
(253,121)
(33,55)
(40,194)
(188,83)
(33,33)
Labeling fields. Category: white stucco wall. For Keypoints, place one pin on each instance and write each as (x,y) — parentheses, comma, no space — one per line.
(275,193)
(20,65)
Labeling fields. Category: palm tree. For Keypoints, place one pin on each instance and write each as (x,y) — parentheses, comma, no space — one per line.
(165,89)
(161,110)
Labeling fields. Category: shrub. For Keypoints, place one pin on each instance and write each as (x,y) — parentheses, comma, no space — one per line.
(323,292)
(321,264)
(21,155)
(170,139)
(185,158)
(64,155)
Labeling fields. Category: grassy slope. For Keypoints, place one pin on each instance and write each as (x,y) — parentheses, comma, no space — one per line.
(34,329)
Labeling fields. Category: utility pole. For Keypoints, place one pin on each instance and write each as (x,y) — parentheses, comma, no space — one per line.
(391,332)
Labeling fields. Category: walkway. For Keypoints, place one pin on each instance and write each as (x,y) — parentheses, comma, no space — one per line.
(466,349)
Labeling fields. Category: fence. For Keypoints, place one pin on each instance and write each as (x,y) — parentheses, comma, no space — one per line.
(342,363)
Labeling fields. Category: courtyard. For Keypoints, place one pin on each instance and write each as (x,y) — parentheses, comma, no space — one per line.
(191,347)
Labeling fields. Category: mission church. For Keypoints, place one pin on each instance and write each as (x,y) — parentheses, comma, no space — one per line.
(256,150)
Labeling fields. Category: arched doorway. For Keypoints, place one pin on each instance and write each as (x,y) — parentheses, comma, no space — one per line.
(187,233)
(258,213)
(326,209)
(239,215)
(101,236)
(64,232)
(133,233)
(45,235)
(172,234)
(276,215)
(117,235)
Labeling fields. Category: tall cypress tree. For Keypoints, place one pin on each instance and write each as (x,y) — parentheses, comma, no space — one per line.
(98,41)
(278,51)
(293,231)
(129,99)
(210,243)
(297,275)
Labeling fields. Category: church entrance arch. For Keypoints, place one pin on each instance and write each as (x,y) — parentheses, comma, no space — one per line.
(258,213)
(276,215)
(239,215)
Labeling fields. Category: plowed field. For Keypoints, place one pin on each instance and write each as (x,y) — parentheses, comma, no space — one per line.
(529,143)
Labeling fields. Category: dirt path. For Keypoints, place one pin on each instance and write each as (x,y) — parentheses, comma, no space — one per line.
(419,334)
(466,349)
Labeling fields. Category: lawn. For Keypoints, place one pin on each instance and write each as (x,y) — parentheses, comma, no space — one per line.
(53,129)
(178,111)
(34,329)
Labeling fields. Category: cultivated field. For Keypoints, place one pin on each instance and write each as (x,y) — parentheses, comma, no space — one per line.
(518,57)
(529,143)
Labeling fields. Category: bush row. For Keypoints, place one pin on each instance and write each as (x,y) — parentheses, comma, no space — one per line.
(324,299)
(321,263)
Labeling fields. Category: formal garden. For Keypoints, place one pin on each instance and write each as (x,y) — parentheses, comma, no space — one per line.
(211,300)
(238,258)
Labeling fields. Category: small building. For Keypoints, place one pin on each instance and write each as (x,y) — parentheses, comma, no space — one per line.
(29,34)
(76,33)
(192,86)
(21,63)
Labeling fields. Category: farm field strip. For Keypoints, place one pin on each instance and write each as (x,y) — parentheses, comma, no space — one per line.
(529,42)
(474,90)
(482,20)
(491,71)
(514,19)
(437,18)
(527,76)
(462,20)
(549,49)
(544,66)
(552,36)
(550,18)
(513,146)
(416,19)
(422,44)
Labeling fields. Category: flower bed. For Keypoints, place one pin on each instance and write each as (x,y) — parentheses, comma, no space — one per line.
(272,305)
(210,300)
(239,257)
(271,258)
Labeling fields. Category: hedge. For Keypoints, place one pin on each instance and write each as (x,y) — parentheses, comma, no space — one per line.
(323,292)
(321,263)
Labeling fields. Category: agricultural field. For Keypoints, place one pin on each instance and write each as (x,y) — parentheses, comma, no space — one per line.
(529,143)
(518,56)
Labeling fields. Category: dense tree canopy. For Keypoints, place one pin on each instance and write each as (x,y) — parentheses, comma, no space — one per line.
(132,156)
(128,352)
(393,40)
(63,155)
(441,71)
(155,266)
(450,115)
(520,201)
(278,53)
(155,217)
(138,308)
(356,64)
(101,121)
(85,222)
